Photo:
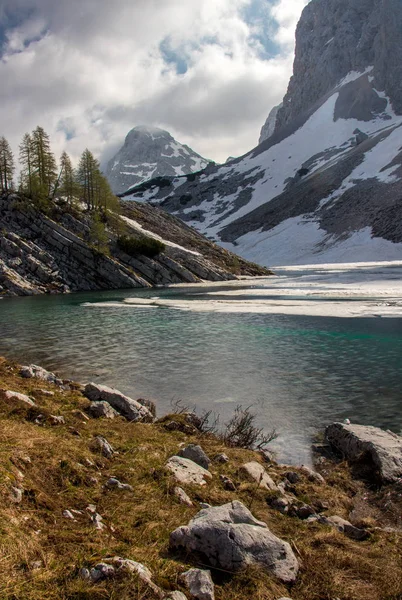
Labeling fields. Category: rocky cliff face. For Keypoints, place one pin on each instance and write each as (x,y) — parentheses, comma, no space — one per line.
(147,153)
(52,253)
(336,37)
(269,126)
(326,185)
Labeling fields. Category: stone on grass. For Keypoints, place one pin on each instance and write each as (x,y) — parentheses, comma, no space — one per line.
(114,483)
(281,503)
(16,495)
(292,477)
(17,397)
(176,596)
(67,514)
(100,444)
(129,408)
(227,483)
(221,458)
(196,454)
(33,371)
(199,583)
(187,471)
(101,571)
(378,450)
(56,420)
(182,496)
(256,472)
(231,538)
(102,409)
(342,526)
(311,475)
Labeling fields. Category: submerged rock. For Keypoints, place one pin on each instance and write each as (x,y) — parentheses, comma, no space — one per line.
(231,538)
(129,408)
(379,452)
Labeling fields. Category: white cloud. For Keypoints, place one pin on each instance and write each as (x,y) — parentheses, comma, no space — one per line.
(98,70)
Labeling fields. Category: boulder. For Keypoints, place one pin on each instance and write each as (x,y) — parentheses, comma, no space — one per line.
(256,472)
(34,371)
(129,408)
(102,409)
(19,398)
(231,538)
(187,471)
(196,454)
(378,450)
(199,583)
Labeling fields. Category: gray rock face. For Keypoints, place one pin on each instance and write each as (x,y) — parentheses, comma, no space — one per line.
(129,408)
(335,37)
(376,449)
(147,153)
(199,583)
(196,454)
(231,538)
(270,124)
(187,471)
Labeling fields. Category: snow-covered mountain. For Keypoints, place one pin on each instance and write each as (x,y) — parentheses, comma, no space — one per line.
(326,186)
(150,152)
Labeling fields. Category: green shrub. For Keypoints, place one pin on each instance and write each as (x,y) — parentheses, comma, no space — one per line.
(144,246)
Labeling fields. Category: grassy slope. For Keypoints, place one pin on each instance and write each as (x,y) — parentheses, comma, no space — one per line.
(139,522)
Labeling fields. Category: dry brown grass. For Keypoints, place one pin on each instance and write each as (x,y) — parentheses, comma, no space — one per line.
(138,523)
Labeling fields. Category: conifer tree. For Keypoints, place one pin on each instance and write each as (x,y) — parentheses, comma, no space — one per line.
(67,184)
(7,167)
(27,171)
(43,162)
(95,189)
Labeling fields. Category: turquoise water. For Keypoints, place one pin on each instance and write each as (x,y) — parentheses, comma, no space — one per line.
(299,373)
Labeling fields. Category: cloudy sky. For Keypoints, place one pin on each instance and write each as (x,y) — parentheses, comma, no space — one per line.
(208,71)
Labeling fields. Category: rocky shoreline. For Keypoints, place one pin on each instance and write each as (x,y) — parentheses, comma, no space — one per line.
(105,498)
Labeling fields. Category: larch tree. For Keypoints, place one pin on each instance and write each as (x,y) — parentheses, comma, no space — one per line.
(27,170)
(7,166)
(44,163)
(95,189)
(66,185)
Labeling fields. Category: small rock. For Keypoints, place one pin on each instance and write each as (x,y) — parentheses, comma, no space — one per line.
(114,483)
(176,596)
(30,371)
(196,454)
(199,583)
(305,511)
(102,409)
(80,415)
(91,509)
(46,393)
(100,444)
(281,503)
(84,574)
(341,525)
(101,571)
(227,483)
(97,521)
(256,472)
(36,564)
(67,514)
(182,496)
(268,456)
(187,471)
(16,495)
(16,396)
(205,505)
(292,476)
(56,420)
(221,458)
(312,475)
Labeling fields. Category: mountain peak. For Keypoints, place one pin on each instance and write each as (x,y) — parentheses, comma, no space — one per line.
(150,152)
